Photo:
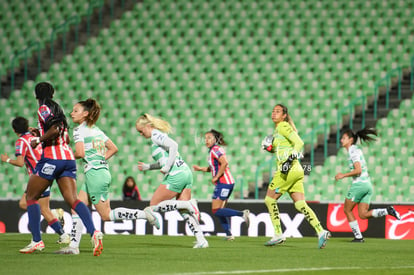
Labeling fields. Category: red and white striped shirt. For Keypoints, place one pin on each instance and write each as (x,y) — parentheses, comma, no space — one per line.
(31,156)
(58,148)
(213,161)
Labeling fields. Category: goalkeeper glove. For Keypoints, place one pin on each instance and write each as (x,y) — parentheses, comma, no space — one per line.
(267,143)
(287,165)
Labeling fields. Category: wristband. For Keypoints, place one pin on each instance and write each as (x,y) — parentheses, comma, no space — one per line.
(8,160)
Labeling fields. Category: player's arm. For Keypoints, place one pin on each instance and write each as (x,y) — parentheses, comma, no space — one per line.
(142,166)
(172,148)
(79,150)
(223,165)
(51,134)
(19,161)
(287,131)
(111,149)
(202,169)
(354,173)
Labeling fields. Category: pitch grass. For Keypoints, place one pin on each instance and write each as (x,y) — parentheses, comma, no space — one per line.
(131,254)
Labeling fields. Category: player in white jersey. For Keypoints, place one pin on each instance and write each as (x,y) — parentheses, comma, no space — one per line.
(360,191)
(178,178)
(95,148)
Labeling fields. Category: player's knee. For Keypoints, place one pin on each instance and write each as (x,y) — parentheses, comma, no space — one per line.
(269,201)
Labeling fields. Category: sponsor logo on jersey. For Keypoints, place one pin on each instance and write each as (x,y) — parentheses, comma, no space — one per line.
(337,221)
(400,229)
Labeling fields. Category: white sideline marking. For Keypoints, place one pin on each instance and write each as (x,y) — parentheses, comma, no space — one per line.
(292,270)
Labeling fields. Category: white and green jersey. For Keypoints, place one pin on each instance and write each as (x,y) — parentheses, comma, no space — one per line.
(94,142)
(355,155)
(160,153)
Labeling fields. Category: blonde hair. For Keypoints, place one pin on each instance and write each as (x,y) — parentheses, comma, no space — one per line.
(288,119)
(157,123)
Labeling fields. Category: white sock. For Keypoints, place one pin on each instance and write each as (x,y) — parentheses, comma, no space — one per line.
(76,232)
(379,212)
(122,213)
(171,205)
(194,226)
(355,229)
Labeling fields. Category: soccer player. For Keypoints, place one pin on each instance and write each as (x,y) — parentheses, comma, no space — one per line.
(178,178)
(28,156)
(57,163)
(95,148)
(360,191)
(287,145)
(223,181)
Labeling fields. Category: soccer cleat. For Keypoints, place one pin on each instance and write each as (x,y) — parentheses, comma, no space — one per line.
(391,211)
(32,247)
(68,250)
(229,238)
(203,244)
(97,243)
(63,239)
(195,210)
(151,218)
(59,214)
(246,217)
(323,238)
(275,240)
(355,240)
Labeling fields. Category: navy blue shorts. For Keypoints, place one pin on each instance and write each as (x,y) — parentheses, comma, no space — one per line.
(52,169)
(223,191)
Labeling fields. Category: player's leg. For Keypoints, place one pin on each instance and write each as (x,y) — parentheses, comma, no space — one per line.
(35,188)
(67,186)
(22,202)
(272,195)
(349,205)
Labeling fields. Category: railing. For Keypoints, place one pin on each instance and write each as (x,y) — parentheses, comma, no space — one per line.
(270,164)
(412,73)
(312,134)
(351,107)
(24,53)
(64,28)
(387,80)
(92,5)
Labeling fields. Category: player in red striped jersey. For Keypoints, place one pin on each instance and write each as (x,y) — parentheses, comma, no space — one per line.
(223,180)
(57,163)
(28,156)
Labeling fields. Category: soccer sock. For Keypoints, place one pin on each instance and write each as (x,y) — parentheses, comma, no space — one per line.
(355,229)
(33,210)
(379,212)
(82,210)
(194,226)
(228,212)
(122,213)
(310,216)
(274,214)
(55,224)
(225,224)
(171,205)
(76,232)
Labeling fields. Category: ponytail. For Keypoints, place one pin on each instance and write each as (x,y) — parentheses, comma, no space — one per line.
(218,136)
(155,122)
(288,118)
(364,134)
(94,110)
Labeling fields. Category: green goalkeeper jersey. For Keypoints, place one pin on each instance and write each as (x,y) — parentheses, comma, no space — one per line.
(286,142)
(94,142)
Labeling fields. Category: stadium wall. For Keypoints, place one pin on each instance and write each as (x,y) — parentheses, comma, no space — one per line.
(13,219)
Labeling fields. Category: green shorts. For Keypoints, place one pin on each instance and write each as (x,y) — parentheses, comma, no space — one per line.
(179,180)
(360,192)
(97,183)
(291,183)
